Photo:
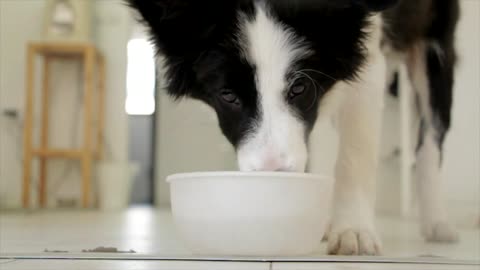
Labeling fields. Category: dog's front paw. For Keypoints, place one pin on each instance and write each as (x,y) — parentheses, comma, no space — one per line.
(353,242)
(440,231)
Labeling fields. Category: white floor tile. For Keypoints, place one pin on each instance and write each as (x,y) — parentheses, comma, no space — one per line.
(151,232)
(128,265)
(369,266)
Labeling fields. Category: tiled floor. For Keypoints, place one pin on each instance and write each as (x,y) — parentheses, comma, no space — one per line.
(150,233)
(177,265)
(369,266)
(130,264)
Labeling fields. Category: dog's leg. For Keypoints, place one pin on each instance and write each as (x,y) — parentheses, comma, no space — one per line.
(352,229)
(431,68)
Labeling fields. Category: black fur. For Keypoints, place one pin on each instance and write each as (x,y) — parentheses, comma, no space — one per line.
(183,30)
(338,50)
(393,89)
(412,21)
(199,41)
(441,62)
(407,23)
(222,69)
(433,23)
(196,39)
(440,74)
(378,5)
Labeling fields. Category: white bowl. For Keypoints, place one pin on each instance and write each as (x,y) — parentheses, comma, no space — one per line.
(250,214)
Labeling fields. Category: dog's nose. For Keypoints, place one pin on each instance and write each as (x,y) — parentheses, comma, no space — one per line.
(272,164)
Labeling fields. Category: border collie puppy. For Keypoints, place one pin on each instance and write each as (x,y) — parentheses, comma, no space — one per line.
(271,68)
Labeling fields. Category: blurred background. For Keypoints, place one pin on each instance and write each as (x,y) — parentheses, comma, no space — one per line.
(144,133)
(146,136)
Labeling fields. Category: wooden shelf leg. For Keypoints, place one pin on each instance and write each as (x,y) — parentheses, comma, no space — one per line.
(89,66)
(44,135)
(27,132)
(101,104)
(86,177)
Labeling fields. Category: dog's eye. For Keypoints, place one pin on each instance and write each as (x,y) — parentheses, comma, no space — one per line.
(296,90)
(229,97)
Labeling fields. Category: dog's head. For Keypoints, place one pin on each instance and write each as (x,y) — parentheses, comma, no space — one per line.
(264,66)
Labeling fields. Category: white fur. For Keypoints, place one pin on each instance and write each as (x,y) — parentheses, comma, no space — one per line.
(433,218)
(277,141)
(352,229)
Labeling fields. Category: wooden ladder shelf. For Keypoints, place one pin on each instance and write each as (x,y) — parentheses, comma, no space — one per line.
(93,73)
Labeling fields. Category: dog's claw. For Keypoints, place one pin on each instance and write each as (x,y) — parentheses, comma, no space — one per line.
(440,232)
(351,242)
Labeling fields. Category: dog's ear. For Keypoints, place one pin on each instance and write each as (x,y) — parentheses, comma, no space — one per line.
(369,5)
(377,5)
(181,31)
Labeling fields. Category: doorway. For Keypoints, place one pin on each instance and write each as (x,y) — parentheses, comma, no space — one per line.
(141,109)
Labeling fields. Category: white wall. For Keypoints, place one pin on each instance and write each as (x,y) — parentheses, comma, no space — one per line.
(461,170)
(21,22)
(16,28)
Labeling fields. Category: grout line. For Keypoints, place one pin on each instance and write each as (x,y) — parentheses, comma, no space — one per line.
(330,259)
(5,261)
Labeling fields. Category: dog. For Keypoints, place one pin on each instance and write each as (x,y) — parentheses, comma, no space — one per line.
(272,68)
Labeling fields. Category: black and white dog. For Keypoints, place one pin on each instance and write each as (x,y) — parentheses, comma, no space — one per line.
(271,68)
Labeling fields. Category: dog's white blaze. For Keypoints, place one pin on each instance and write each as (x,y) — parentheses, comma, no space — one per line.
(277,142)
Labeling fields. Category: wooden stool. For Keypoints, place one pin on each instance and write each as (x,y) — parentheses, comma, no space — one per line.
(91,59)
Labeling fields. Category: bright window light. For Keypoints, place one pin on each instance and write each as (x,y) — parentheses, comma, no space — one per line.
(140,78)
